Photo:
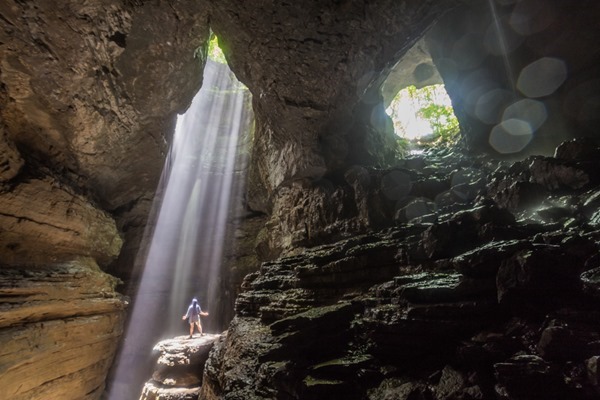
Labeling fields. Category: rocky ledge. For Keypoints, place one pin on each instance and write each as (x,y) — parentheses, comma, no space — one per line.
(179,368)
(492,295)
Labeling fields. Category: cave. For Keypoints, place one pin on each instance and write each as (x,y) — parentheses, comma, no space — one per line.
(346,268)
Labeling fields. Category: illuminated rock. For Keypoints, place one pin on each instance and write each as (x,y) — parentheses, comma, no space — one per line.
(179,368)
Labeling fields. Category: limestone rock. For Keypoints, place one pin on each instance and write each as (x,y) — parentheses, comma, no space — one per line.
(578,149)
(592,370)
(591,281)
(401,390)
(562,341)
(415,68)
(179,368)
(535,274)
(305,126)
(88,94)
(418,310)
(10,158)
(518,195)
(484,261)
(64,319)
(91,91)
(555,174)
(463,230)
(43,216)
(525,376)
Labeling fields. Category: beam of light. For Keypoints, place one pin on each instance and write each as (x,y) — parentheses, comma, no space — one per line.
(183,259)
(503,46)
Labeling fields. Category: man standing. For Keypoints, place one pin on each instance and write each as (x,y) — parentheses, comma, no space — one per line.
(193,313)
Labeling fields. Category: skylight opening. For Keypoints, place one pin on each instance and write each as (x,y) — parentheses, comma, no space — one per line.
(215,53)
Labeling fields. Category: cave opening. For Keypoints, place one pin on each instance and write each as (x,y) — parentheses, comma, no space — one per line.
(424,115)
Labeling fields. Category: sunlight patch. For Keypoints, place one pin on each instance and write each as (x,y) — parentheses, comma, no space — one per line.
(426,112)
(215,53)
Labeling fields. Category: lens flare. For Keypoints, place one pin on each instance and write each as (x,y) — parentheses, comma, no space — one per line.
(542,77)
(531,111)
(511,136)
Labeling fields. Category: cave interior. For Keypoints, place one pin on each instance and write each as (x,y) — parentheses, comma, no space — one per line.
(352,268)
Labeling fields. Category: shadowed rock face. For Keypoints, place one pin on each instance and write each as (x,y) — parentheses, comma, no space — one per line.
(87,87)
(422,278)
(470,301)
(309,66)
(495,54)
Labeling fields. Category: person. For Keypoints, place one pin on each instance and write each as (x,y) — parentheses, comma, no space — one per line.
(193,313)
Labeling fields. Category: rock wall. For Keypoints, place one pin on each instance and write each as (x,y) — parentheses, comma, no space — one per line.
(59,327)
(88,96)
(516,72)
(491,292)
(86,86)
(89,92)
(307,67)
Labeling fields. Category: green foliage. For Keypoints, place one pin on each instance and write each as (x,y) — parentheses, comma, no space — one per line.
(214,51)
(430,106)
(442,121)
(402,147)
(201,53)
(440,116)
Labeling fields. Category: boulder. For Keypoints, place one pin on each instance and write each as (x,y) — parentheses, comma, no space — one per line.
(556,174)
(542,275)
(578,149)
(525,376)
(179,368)
(562,342)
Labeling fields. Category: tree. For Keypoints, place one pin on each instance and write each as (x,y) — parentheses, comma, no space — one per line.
(432,106)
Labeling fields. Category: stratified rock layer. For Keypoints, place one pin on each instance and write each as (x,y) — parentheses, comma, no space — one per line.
(42,217)
(65,320)
(89,92)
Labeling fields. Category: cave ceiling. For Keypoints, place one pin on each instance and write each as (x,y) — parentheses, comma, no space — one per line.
(89,91)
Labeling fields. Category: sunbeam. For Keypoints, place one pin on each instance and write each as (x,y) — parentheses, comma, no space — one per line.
(186,247)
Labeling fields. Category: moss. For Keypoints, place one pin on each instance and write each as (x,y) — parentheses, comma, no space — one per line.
(344,362)
(310,381)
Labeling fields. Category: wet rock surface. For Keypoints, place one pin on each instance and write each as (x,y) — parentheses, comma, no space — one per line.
(486,300)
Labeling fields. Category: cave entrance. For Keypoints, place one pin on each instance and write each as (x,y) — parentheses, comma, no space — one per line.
(215,53)
(424,114)
(416,100)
